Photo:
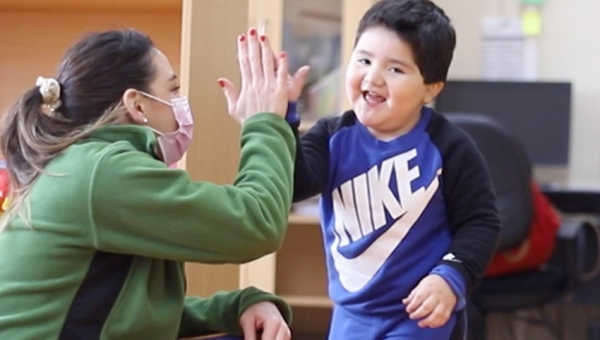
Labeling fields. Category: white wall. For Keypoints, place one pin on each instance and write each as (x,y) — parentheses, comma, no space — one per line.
(568,51)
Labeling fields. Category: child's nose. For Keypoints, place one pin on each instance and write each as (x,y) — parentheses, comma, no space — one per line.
(373,77)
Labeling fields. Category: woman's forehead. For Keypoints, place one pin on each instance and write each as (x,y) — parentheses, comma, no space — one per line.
(164,70)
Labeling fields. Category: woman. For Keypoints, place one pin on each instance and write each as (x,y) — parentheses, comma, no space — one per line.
(93,244)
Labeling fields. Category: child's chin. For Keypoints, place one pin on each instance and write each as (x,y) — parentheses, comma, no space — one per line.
(368,119)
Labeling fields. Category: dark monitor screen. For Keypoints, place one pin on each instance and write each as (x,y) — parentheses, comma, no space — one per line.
(538,113)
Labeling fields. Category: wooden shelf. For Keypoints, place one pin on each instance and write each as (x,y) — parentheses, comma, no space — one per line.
(306,124)
(308,301)
(300,269)
(304,219)
(311,323)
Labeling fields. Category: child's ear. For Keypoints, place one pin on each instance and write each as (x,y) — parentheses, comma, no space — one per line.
(432,91)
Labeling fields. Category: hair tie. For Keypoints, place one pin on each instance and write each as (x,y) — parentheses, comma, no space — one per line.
(50,90)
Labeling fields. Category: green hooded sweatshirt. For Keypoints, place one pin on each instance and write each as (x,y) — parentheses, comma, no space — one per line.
(110,227)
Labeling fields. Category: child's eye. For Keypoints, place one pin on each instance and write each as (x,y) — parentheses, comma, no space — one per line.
(396,70)
(364,61)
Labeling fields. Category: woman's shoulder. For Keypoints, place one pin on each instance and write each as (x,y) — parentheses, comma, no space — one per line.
(107,147)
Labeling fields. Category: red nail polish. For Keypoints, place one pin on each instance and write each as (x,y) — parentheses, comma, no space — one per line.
(263,38)
(221,83)
(242,38)
(252,31)
(283,54)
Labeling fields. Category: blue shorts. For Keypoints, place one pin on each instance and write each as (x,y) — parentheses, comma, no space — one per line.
(350,326)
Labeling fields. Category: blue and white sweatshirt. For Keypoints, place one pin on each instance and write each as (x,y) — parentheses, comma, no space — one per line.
(394,212)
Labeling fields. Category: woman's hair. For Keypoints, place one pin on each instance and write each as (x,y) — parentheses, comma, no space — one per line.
(86,94)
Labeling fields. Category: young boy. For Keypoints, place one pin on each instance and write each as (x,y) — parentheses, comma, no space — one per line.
(408,214)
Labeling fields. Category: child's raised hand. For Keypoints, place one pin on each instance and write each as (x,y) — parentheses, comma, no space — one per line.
(296,83)
(432,301)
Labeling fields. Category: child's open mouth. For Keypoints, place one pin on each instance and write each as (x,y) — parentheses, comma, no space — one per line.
(372,98)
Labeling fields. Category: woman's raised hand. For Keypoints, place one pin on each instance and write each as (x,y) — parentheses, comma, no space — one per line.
(264,79)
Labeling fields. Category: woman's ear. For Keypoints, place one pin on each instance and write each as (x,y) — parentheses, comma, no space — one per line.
(432,91)
(132,100)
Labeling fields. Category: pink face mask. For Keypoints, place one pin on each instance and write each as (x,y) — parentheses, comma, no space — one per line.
(173,145)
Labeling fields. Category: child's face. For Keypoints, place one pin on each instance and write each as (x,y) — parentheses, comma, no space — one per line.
(384,84)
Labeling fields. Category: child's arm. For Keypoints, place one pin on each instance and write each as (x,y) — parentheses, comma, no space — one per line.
(474,221)
(471,210)
(312,155)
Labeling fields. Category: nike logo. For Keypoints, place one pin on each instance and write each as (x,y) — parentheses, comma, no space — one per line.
(360,207)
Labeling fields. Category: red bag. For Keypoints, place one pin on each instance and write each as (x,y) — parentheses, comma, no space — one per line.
(539,245)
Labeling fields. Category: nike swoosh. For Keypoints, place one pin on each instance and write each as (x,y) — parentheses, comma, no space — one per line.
(359,246)
(355,273)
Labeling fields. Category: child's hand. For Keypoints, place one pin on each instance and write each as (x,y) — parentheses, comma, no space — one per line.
(296,83)
(432,301)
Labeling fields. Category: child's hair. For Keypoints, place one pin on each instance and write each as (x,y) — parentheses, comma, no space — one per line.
(422,25)
(92,78)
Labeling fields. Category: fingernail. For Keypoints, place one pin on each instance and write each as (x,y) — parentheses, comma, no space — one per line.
(242,38)
(263,38)
(252,31)
(221,83)
(283,54)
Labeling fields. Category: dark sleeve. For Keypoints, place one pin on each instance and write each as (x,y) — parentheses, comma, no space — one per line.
(470,202)
(312,161)
(311,170)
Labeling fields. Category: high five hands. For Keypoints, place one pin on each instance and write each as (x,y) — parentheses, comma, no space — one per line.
(266,85)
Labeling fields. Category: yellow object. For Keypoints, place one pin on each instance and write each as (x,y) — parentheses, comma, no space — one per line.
(5,204)
(531,20)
